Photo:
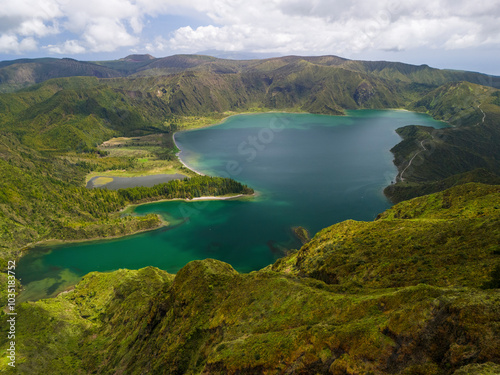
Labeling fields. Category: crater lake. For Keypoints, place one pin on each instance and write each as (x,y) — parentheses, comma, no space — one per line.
(308,170)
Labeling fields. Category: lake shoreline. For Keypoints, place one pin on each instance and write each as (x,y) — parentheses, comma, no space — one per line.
(180,160)
(128,207)
(195,199)
(49,242)
(163,223)
(219,122)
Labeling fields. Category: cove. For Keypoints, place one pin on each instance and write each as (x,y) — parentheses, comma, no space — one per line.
(309,170)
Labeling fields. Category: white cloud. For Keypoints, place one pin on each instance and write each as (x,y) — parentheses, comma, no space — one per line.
(286,26)
(36,27)
(323,26)
(69,47)
(98,25)
(11,44)
(97,35)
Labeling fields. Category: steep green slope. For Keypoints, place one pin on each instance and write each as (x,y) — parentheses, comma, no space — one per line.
(371,319)
(17,74)
(393,71)
(437,155)
(320,89)
(78,114)
(295,86)
(420,74)
(448,238)
(129,64)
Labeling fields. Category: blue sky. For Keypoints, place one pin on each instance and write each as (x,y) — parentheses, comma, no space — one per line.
(441,33)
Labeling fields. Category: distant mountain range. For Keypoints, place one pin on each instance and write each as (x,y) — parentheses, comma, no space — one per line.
(20,73)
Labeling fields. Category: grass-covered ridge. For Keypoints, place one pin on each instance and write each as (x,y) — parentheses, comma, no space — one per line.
(210,319)
(19,73)
(467,151)
(448,238)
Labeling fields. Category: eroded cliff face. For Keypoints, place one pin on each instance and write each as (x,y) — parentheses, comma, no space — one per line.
(395,305)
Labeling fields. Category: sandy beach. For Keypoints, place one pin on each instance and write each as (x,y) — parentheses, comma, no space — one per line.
(213,198)
(182,162)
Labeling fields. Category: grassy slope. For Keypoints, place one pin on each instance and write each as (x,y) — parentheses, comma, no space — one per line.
(442,231)
(17,74)
(470,144)
(210,319)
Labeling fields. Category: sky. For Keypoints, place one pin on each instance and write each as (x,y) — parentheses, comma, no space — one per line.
(452,34)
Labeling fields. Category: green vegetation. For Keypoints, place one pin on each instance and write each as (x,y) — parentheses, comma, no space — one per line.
(134,156)
(49,141)
(20,73)
(302,234)
(39,204)
(409,242)
(408,190)
(466,152)
(414,292)
(396,305)
(199,186)
(23,72)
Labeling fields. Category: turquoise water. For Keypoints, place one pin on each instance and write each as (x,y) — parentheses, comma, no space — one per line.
(309,170)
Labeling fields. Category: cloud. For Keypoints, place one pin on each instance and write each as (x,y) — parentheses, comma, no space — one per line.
(323,26)
(11,44)
(97,35)
(97,25)
(286,26)
(69,47)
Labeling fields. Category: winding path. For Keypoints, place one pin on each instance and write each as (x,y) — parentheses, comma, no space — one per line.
(424,149)
(484,115)
(411,160)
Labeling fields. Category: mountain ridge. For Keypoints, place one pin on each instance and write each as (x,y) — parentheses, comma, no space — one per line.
(14,75)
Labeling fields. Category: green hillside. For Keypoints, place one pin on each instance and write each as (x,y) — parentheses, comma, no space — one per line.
(414,292)
(17,74)
(438,155)
(359,298)
(20,73)
(406,244)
